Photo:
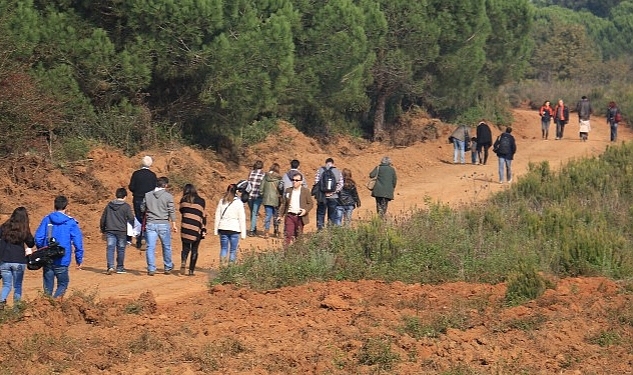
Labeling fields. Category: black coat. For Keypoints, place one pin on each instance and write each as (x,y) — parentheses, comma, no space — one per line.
(484,135)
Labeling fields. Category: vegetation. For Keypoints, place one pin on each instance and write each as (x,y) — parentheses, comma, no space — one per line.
(217,73)
(567,223)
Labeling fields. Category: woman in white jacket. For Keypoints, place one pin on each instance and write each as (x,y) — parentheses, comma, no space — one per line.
(230,224)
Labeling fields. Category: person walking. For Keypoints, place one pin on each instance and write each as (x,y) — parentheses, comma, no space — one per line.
(547,113)
(270,198)
(348,198)
(230,224)
(585,111)
(193,227)
(505,147)
(16,243)
(65,230)
(160,212)
(613,118)
(561,118)
(255,178)
(386,181)
(287,177)
(296,204)
(460,138)
(328,182)
(142,181)
(113,225)
(484,141)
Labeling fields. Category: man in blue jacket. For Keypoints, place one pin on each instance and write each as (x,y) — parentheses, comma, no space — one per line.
(66,232)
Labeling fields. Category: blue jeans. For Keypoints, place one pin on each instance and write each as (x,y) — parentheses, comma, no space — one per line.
(228,245)
(614,131)
(329,206)
(459,150)
(52,272)
(345,214)
(505,165)
(254,205)
(12,276)
(163,232)
(119,242)
(271,214)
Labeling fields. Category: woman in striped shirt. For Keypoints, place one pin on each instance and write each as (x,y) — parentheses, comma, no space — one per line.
(193,227)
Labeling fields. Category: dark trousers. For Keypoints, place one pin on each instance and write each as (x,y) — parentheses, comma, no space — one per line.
(190,247)
(328,207)
(560,128)
(483,159)
(136,203)
(293,228)
(381,206)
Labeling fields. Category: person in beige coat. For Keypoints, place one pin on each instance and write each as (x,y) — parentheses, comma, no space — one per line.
(296,203)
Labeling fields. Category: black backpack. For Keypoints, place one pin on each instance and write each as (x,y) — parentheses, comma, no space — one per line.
(503,145)
(327,181)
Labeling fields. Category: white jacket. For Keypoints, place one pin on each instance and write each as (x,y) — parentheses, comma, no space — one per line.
(231,216)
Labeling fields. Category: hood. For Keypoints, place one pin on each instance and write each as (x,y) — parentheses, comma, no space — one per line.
(158,193)
(116,204)
(272,176)
(58,218)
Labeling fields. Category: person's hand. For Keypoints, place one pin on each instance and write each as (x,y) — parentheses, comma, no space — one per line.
(174,228)
(79,267)
(302,212)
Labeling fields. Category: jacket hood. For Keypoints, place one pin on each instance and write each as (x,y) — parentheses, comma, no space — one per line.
(159,192)
(271,176)
(58,218)
(116,204)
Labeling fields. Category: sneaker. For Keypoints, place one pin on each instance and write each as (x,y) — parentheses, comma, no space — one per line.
(190,273)
(167,272)
(510,181)
(151,273)
(501,181)
(122,271)
(182,268)
(110,271)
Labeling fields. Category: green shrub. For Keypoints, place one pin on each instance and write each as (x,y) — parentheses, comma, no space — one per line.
(524,285)
(377,351)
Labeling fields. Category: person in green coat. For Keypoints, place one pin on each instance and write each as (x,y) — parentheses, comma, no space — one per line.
(386,180)
(270,198)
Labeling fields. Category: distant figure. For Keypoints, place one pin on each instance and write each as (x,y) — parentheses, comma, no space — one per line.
(613,118)
(546,112)
(255,198)
(114,224)
(348,198)
(193,227)
(271,198)
(473,150)
(584,113)
(230,224)
(484,141)
(141,182)
(17,242)
(561,118)
(65,230)
(460,137)
(160,211)
(296,204)
(287,177)
(505,148)
(328,183)
(386,181)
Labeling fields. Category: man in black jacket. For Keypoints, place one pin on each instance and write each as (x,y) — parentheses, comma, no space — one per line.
(505,147)
(484,141)
(142,182)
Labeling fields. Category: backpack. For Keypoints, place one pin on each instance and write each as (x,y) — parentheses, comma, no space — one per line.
(615,115)
(503,145)
(618,117)
(244,188)
(327,181)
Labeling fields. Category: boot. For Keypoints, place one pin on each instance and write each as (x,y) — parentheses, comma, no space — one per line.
(190,273)
(182,268)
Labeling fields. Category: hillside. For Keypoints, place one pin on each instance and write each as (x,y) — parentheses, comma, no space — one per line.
(128,323)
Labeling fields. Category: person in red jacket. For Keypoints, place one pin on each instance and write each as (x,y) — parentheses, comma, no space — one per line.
(546,112)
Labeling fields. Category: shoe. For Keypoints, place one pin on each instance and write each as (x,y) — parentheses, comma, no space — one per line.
(190,273)
(501,181)
(167,272)
(251,233)
(121,271)
(151,273)
(110,271)
(182,268)
(510,181)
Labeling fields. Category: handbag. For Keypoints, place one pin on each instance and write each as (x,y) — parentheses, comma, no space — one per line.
(372,181)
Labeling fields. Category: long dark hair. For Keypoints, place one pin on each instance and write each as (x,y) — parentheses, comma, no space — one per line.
(16,229)
(229,195)
(189,193)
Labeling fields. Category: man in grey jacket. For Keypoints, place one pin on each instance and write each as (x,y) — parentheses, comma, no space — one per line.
(160,210)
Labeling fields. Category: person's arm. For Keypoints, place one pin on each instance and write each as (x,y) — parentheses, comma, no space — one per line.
(102,221)
(309,202)
(76,238)
(241,215)
(40,233)
(171,210)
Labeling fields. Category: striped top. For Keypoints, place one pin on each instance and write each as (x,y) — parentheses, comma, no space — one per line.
(194,219)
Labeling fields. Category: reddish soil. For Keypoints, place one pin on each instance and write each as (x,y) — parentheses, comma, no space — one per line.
(136,324)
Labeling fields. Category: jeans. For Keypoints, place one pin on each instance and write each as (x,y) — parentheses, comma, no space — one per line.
(614,131)
(117,242)
(560,128)
(228,245)
(332,214)
(254,205)
(545,128)
(12,276)
(163,232)
(505,165)
(271,214)
(345,214)
(459,149)
(52,272)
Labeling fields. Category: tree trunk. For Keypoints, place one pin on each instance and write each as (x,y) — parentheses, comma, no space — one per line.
(379,117)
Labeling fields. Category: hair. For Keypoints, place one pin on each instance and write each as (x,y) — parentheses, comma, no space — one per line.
(275,167)
(348,181)
(545,102)
(612,104)
(584,97)
(294,164)
(16,229)
(230,193)
(189,193)
(385,160)
(147,161)
(509,129)
(329,160)
(162,182)
(258,164)
(61,202)
(120,193)
(295,175)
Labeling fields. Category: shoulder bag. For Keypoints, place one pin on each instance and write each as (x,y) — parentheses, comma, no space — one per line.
(372,181)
